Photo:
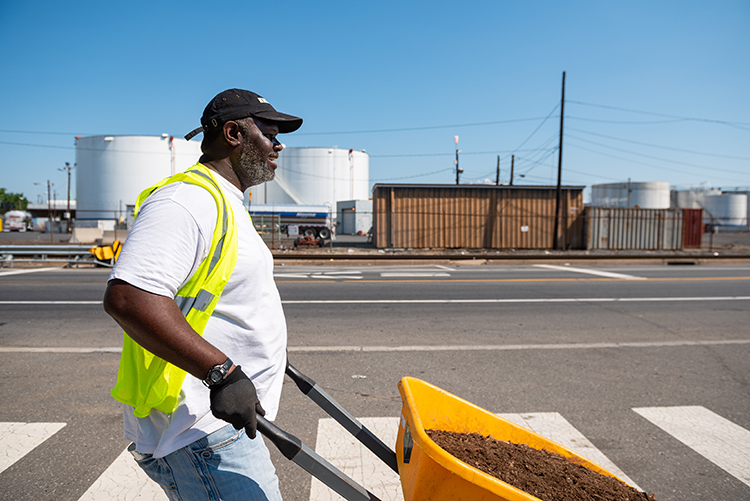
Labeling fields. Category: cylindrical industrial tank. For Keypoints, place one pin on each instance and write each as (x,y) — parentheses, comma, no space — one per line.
(725,209)
(112,170)
(649,195)
(317,176)
(692,198)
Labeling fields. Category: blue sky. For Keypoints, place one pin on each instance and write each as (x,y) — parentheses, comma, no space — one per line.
(655,90)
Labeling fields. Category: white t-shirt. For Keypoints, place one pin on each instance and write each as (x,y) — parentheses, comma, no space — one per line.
(170,238)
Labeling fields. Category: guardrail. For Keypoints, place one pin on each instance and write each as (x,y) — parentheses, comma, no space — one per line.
(72,255)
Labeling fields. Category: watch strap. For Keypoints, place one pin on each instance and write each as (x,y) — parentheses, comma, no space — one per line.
(218,373)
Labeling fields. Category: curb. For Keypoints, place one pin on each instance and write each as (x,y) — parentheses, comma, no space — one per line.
(479,258)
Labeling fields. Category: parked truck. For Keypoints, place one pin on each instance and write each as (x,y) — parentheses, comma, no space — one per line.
(17,220)
(293,220)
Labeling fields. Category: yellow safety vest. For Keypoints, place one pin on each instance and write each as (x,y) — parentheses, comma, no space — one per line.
(145,381)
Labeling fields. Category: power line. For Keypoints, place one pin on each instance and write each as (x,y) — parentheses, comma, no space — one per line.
(427,127)
(738,125)
(538,127)
(658,167)
(38,145)
(659,158)
(627,122)
(658,146)
(40,132)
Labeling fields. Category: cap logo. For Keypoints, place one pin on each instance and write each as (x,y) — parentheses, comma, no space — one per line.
(261,100)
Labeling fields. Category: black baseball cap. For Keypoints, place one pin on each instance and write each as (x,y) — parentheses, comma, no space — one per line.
(234,104)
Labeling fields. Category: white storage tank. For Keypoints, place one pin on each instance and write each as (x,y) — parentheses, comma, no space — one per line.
(112,170)
(649,195)
(725,209)
(317,176)
(692,198)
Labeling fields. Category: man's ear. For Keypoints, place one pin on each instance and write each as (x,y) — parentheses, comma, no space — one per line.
(232,133)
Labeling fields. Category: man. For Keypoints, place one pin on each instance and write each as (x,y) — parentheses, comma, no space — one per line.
(205,341)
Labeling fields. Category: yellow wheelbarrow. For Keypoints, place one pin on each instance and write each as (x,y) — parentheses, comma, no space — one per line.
(427,472)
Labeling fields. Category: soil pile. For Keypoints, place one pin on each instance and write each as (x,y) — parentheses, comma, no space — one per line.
(544,474)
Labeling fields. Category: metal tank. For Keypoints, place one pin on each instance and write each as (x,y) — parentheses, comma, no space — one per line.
(693,198)
(649,195)
(316,176)
(112,170)
(725,209)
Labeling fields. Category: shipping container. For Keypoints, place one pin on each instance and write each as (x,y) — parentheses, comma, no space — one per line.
(692,223)
(476,216)
(634,229)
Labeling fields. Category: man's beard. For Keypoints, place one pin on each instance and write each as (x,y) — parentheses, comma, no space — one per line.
(252,168)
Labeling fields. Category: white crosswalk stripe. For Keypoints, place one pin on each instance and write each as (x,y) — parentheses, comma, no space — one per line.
(344,452)
(555,427)
(18,439)
(124,480)
(348,455)
(590,271)
(717,439)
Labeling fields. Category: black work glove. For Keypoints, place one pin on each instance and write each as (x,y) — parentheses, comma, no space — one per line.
(234,400)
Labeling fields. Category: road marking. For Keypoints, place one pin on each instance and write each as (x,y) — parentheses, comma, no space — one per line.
(516,301)
(712,436)
(446,268)
(448,301)
(717,439)
(337,275)
(423,348)
(415,274)
(554,426)
(518,347)
(124,480)
(600,273)
(347,454)
(78,303)
(46,349)
(22,272)
(18,439)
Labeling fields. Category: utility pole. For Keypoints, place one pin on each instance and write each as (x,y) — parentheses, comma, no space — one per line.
(67,169)
(49,210)
(512,162)
(497,172)
(555,242)
(458,171)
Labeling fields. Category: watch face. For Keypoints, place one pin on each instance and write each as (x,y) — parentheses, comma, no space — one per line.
(215,376)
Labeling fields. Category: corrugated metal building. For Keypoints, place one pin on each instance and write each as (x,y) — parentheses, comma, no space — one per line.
(475,216)
(634,229)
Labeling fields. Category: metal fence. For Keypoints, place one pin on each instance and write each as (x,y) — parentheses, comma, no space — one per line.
(71,255)
(634,229)
(476,217)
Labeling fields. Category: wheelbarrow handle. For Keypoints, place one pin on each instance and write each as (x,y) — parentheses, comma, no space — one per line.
(293,448)
(349,422)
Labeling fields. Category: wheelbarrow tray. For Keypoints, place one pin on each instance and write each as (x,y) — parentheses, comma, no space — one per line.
(429,473)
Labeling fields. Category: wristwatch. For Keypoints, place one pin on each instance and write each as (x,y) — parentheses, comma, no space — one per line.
(217,373)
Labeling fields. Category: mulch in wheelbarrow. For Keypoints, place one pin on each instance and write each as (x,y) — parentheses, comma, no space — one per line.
(544,474)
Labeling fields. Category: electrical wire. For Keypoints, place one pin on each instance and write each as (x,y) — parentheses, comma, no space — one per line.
(626,122)
(658,158)
(738,125)
(640,163)
(428,127)
(657,146)
(538,127)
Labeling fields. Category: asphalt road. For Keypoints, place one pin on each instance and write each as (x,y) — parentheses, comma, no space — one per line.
(591,347)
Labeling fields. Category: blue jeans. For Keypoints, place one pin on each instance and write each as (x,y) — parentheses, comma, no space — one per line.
(223,466)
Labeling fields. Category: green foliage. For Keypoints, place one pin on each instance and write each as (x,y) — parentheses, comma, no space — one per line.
(12,201)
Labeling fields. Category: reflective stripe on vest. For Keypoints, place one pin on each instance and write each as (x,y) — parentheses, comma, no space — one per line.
(145,381)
